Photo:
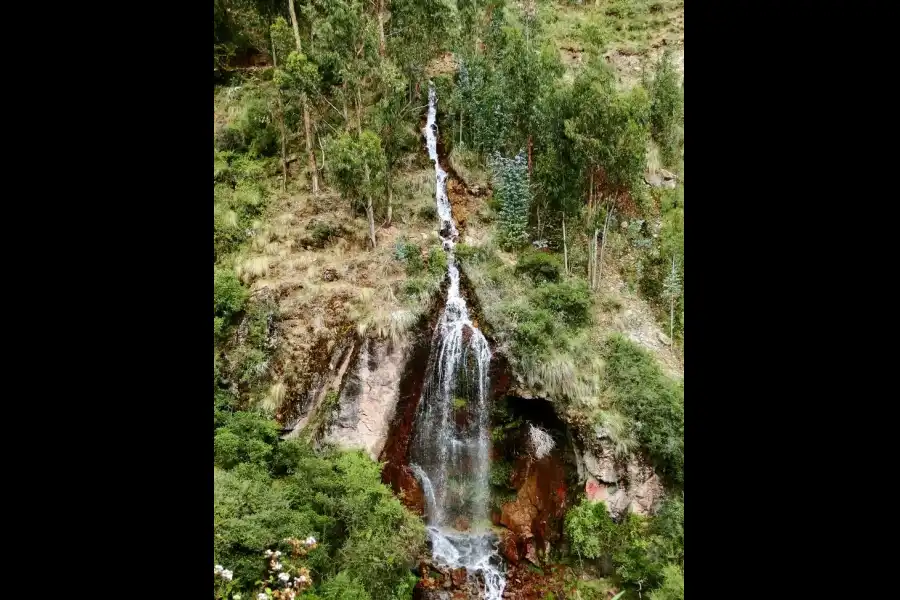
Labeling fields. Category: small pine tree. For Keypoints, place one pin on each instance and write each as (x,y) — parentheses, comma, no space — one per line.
(671,292)
(514,192)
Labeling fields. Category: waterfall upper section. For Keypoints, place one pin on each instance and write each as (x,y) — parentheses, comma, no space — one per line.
(451,445)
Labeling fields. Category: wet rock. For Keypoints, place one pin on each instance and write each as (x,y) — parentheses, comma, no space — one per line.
(461,523)
(595,491)
(602,467)
(509,549)
(530,552)
(411,494)
(369,399)
(458,576)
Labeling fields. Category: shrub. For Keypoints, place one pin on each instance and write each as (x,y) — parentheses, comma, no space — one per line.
(666,108)
(539,267)
(514,195)
(229,298)
(409,254)
(366,539)
(648,397)
(591,530)
(672,587)
(570,300)
(248,438)
(437,261)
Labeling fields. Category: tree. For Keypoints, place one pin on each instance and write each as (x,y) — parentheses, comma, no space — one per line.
(610,131)
(303,100)
(671,292)
(514,193)
(358,169)
(392,120)
(666,108)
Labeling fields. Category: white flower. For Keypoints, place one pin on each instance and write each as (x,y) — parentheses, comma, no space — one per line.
(262,597)
(277,553)
(218,569)
(283,576)
(268,553)
(236,597)
(276,566)
(227,575)
(310,541)
(302,579)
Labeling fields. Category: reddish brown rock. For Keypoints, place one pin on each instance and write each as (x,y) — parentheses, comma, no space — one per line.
(458,576)
(411,493)
(509,549)
(461,523)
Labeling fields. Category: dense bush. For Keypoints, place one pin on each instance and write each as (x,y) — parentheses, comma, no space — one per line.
(540,266)
(666,108)
(437,262)
(410,255)
(649,398)
(267,490)
(570,300)
(590,530)
(645,552)
(514,194)
(229,298)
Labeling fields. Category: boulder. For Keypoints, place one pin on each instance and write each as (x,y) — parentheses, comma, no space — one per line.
(458,576)
(509,549)
(602,467)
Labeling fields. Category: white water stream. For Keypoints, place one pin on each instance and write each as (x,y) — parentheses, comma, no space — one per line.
(451,450)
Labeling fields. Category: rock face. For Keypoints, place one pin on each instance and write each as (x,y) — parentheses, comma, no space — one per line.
(369,398)
(623,485)
(540,502)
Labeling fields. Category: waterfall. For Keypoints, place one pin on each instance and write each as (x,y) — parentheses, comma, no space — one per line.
(451,447)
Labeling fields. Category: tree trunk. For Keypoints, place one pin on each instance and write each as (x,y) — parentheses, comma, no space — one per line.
(309,147)
(295,25)
(390,198)
(565,247)
(358,112)
(530,145)
(381,50)
(672,308)
(306,125)
(603,243)
(346,114)
(371,213)
(281,128)
(595,279)
(460,127)
(591,191)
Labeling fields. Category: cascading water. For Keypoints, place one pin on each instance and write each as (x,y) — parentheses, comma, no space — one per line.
(451,449)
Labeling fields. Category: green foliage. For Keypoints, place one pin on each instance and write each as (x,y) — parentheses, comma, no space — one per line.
(652,403)
(252,130)
(666,108)
(247,438)
(672,587)
(229,298)
(298,75)
(409,254)
(514,194)
(571,301)
(342,587)
(267,490)
(611,128)
(437,262)
(357,166)
(590,530)
(460,403)
(540,266)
